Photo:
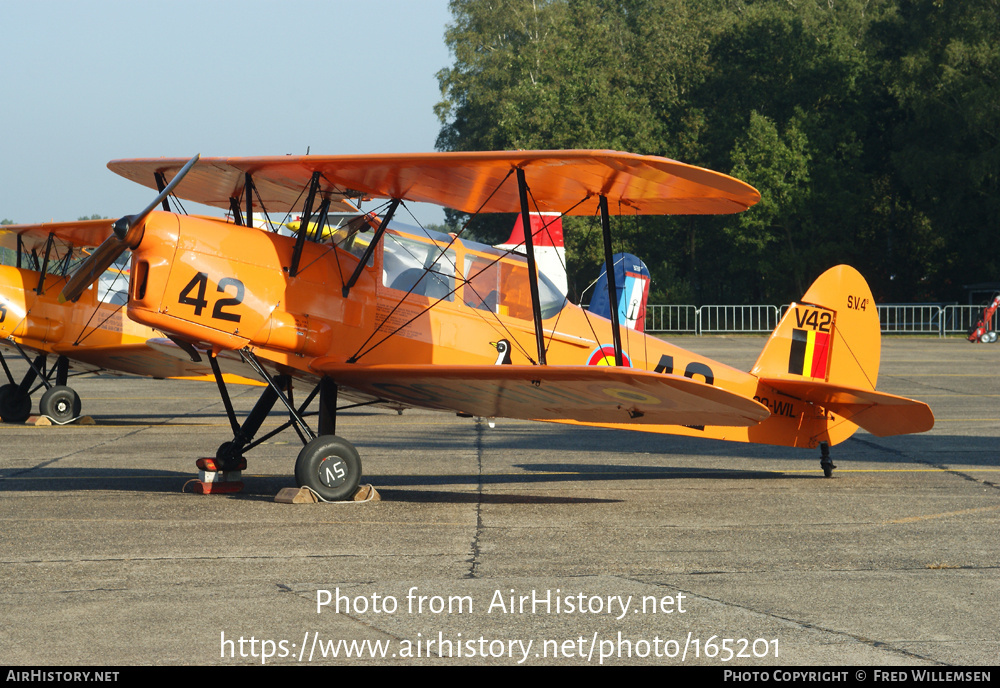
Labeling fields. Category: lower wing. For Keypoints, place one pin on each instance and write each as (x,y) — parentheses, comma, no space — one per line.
(581,393)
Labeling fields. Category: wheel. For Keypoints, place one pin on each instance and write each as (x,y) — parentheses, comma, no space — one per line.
(330,466)
(60,403)
(991,336)
(15,407)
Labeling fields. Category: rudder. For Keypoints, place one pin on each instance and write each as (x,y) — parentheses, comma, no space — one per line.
(831,336)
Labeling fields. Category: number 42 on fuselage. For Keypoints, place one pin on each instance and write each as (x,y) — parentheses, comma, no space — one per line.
(369,313)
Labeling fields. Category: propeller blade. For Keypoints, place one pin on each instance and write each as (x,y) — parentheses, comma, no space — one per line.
(127,234)
(92,268)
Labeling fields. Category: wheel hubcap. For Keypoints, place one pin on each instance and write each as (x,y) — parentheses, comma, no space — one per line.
(332,471)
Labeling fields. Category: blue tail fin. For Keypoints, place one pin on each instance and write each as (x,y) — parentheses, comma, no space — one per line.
(632,287)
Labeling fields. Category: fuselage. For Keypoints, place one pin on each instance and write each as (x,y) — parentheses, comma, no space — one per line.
(420,299)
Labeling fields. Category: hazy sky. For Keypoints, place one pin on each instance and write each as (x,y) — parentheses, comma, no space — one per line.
(87,82)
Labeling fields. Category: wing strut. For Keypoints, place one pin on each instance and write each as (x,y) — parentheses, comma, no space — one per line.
(536,307)
(371,247)
(609,270)
(300,240)
(248,189)
(45,263)
(161,184)
(234,208)
(324,211)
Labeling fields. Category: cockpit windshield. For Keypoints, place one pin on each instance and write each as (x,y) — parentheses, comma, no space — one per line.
(440,266)
(484,278)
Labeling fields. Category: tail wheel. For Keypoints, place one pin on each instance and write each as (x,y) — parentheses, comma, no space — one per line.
(60,403)
(15,407)
(330,466)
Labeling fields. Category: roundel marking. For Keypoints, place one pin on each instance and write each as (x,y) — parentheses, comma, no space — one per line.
(604,355)
(630,395)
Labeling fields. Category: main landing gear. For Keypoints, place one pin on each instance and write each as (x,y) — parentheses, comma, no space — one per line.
(328,465)
(59,402)
(825,462)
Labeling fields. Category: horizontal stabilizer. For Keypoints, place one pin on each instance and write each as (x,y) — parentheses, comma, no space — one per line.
(582,393)
(879,413)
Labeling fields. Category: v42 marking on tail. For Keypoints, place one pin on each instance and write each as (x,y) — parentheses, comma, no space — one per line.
(809,353)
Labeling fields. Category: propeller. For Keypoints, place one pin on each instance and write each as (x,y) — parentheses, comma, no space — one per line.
(127,232)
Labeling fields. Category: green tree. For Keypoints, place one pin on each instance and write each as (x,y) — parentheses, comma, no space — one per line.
(942,61)
(869,126)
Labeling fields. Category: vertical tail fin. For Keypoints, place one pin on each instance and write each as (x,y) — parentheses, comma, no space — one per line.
(832,336)
(547,237)
(632,285)
(826,350)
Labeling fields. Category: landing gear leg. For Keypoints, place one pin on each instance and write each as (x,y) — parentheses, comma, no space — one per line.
(224,473)
(229,456)
(60,402)
(328,465)
(825,462)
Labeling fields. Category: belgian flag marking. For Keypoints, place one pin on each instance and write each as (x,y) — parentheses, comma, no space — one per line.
(809,354)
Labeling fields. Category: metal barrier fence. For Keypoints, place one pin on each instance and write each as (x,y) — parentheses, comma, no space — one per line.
(895,318)
(675,319)
(919,318)
(737,319)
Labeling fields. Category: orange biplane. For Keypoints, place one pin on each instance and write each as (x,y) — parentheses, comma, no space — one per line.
(373,313)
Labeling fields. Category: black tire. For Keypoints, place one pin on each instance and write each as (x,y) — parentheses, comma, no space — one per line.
(60,403)
(14,406)
(330,466)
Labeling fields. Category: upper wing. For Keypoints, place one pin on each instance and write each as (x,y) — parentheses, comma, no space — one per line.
(560,181)
(879,413)
(583,393)
(80,233)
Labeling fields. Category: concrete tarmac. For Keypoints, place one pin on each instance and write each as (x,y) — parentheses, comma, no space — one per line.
(525,543)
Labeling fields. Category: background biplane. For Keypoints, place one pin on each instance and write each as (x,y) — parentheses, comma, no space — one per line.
(371,314)
(58,340)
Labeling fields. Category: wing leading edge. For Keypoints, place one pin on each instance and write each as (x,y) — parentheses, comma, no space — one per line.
(581,393)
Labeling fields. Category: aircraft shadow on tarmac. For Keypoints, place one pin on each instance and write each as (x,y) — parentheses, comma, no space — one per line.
(921,452)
